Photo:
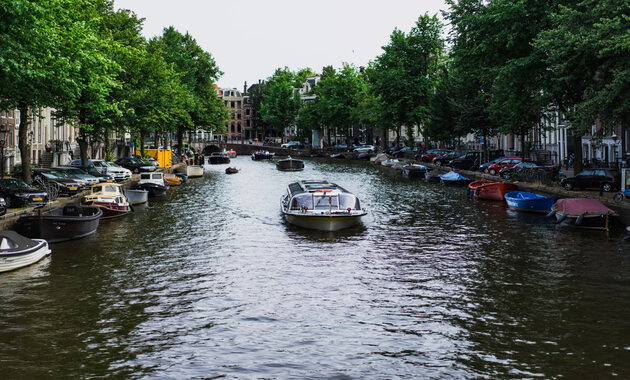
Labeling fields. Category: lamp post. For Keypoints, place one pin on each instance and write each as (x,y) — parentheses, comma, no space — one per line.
(3,136)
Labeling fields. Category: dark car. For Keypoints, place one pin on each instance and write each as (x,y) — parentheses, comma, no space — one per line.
(529,165)
(3,206)
(402,152)
(430,154)
(445,158)
(67,186)
(605,179)
(134,164)
(472,159)
(18,193)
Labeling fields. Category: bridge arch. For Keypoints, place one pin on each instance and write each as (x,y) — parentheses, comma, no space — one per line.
(211,149)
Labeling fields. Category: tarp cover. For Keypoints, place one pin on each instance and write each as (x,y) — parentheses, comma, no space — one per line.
(453,176)
(578,206)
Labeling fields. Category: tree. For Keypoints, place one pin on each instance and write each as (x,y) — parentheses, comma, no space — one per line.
(48,51)
(403,76)
(280,103)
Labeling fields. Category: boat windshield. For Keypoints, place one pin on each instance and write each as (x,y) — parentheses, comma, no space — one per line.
(326,202)
(349,201)
(302,201)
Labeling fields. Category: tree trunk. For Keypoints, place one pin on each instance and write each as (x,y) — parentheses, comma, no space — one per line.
(156,140)
(180,141)
(83,148)
(25,154)
(141,145)
(577,160)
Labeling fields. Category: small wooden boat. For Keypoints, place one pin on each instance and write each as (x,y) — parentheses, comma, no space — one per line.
(218,158)
(532,202)
(414,171)
(490,190)
(231,170)
(379,158)
(191,171)
(433,175)
(172,179)
(231,153)
(70,222)
(290,165)
(136,196)
(17,251)
(582,212)
(110,198)
(154,183)
(183,176)
(320,205)
(262,155)
(390,162)
(454,179)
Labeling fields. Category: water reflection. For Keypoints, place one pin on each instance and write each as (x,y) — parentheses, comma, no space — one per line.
(210,281)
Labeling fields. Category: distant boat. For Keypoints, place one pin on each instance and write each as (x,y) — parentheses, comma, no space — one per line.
(231,170)
(217,158)
(191,171)
(231,153)
(136,196)
(582,212)
(290,165)
(454,179)
(414,171)
(73,221)
(532,202)
(491,190)
(17,251)
(262,155)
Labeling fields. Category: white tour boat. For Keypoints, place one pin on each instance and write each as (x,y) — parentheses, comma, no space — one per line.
(321,205)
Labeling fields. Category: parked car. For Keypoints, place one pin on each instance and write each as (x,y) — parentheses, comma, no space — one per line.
(484,167)
(503,163)
(3,206)
(402,152)
(149,161)
(293,145)
(529,165)
(67,186)
(364,149)
(118,172)
(18,193)
(78,174)
(430,154)
(444,159)
(472,159)
(134,164)
(605,179)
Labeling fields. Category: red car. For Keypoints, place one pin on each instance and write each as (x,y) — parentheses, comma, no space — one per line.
(430,154)
(504,163)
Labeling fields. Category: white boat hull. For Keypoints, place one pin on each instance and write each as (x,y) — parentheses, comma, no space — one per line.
(193,171)
(10,262)
(324,222)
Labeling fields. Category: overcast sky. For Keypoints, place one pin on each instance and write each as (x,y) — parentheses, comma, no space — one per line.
(249,39)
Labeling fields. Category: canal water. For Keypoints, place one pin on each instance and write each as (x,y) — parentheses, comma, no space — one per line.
(210,282)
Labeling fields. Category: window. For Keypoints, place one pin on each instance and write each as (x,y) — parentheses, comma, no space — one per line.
(326,203)
(232,104)
(238,128)
(238,104)
(238,116)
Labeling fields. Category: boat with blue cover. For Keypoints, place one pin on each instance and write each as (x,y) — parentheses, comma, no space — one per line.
(532,202)
(454,179)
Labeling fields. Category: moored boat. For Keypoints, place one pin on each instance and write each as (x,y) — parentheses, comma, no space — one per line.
(154,183)
(73,221)
(490,190)
(17,251)
(290,165)
(110,198)
(433,175)
(231,153)
(454,179)
(582,212)
(389,162)
(320,205)
(191,171)
(172,179)
(218,158)
(524,201)
(136,196)
(262,155)
(414,171)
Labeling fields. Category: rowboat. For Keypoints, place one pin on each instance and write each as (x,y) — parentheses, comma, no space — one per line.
(454,179)
(414,171)
(582,212)
(532,202)
(17,251)
(490,190)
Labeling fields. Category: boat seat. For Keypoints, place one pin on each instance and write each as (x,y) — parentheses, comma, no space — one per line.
(72,210)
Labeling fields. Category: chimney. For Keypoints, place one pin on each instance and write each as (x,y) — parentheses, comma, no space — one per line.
(245,88)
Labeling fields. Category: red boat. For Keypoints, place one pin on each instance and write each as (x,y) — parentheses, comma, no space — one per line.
(491,190)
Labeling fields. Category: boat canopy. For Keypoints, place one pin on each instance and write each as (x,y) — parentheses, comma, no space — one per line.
(453,176)
(579,206)
(325,201)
